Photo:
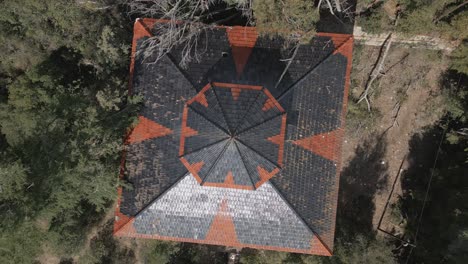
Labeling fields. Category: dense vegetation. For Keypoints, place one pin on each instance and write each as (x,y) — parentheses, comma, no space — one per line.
(435,17)
(64,109)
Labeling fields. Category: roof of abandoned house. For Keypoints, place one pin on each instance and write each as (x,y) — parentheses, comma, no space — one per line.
(239,148)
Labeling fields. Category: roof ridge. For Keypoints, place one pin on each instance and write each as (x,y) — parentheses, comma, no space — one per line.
(246,112)
(252,127)
(299,217)
(252,149)
(233,146)
(220,105)
(292,86)
(187,173)
(243,163)
(216,161)
(205,146)
(242,153)
(256,152)
(207,119)
(261,123)
(141,21)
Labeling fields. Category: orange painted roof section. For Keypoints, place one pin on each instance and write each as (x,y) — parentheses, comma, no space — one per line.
(279,140)
(242,36)
(235,93)
(338,39)
(214,238)
(325,145)
(319,248)
(222,230)
(201,97)
(271,102)
(186,131)
(242,40)
(120,219)
(193,168)
(235,85)
(147,129)
(239,37)
(345,48)
(265,175)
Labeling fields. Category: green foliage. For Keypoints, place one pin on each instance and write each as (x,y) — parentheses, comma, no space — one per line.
(12,181)
(358,117)
(458,248)
(442,231)
(362,250)
(376,22)
(21,244)
(419,17)
(104,249)
(455,94)
(160,251)
(62,121)
(289,17)
(460,58)
(263,257)
(32,29)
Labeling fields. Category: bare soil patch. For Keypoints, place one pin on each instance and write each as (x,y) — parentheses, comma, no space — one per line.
(406,99)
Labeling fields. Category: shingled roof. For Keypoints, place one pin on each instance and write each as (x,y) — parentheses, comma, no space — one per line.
(241,148)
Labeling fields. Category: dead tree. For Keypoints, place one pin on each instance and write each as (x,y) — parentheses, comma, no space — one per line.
(448,12)
(336,5)
(183,27)
(377,71)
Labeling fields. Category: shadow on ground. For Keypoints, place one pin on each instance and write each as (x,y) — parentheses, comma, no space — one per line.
(440,232)
(360,180)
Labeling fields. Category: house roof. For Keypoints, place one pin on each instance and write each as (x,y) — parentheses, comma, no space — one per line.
(241,148)
(232,136)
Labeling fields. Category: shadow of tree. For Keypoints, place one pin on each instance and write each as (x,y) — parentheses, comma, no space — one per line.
(198,254)
(360,180)
(103,248)
(444,217)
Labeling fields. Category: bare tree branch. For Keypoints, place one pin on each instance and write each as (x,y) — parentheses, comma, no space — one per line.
(448,12)
(376,72)
(183,28)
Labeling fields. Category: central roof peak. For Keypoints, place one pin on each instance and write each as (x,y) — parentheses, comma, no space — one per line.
(233,136)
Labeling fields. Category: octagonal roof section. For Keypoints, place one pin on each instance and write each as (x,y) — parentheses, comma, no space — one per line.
(233,136)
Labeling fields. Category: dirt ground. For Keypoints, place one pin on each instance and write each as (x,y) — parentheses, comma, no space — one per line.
(406,99)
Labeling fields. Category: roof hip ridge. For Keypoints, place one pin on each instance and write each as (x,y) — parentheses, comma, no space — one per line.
(216,161)
(208,119)
(187,173)
(256,152)
(300,217)
(261,123)
(246,112)
(292,86)
(245,167)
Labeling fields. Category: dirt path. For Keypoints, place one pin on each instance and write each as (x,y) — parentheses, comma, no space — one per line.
(419,42)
